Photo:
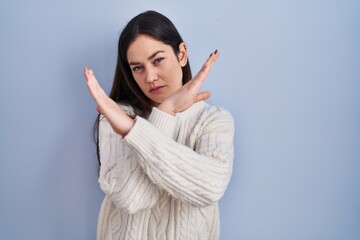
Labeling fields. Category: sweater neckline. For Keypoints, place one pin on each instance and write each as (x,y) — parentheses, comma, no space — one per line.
(191,110)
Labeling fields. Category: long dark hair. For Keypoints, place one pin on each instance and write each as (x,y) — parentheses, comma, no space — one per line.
(124,88)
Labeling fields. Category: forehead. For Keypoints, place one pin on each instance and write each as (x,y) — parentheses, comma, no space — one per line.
(144,46)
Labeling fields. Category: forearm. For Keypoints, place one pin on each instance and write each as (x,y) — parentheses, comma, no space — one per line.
(121,178)
(197,176)
(128,187)
(119,121)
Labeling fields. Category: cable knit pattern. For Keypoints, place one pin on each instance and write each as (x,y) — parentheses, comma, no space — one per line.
(163,180)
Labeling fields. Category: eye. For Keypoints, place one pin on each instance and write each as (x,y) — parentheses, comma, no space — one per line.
(158,60)
(136,68)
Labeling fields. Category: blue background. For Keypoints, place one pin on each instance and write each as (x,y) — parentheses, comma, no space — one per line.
(289,72)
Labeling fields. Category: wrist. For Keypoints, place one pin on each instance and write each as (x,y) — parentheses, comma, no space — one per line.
(126,126)
(120,121)
(165,107)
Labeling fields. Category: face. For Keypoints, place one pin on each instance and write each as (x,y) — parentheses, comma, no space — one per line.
(155,67)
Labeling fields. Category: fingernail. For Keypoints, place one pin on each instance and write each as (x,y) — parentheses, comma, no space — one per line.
(211,54)
(87,67)
(216,51)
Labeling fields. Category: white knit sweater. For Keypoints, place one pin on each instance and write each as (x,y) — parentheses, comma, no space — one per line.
(163,180)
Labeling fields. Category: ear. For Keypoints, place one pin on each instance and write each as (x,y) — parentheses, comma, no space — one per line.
(183,54)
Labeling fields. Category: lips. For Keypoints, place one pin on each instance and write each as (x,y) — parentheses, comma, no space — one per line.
(156,89)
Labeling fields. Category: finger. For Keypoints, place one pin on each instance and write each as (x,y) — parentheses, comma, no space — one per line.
(210,61)
(92,81)
(87,72)
(202,96)
(205,69)
(196,83)
(93,85)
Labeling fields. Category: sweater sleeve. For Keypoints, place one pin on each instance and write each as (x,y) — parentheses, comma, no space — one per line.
(197,176)
(121,177)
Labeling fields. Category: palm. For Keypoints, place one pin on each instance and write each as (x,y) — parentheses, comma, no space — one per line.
(189,94)
(119,121)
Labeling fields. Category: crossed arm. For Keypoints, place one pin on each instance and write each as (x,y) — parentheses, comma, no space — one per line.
(136,169)
(136,183)
(179,101)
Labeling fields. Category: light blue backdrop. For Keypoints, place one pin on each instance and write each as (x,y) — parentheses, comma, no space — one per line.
(289,72)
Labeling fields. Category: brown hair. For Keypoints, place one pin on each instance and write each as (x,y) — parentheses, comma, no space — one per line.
(124,88)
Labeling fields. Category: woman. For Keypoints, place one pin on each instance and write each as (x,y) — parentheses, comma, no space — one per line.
(166,155)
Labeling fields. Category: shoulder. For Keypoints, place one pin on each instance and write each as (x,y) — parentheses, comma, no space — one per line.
(202,110)
(214,123)
(212,112)
(211,117)
(216,119)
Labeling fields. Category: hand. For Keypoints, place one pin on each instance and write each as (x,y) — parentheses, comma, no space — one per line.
(189,94)
(119,121)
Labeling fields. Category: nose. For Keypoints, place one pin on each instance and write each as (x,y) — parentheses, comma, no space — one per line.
(151,75)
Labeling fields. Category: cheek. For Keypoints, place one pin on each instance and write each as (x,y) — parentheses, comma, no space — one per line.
(140,82)
(174,73)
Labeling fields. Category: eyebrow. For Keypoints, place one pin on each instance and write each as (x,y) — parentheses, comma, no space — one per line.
(149,58)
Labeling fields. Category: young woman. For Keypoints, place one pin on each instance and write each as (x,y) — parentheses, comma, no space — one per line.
(166,155)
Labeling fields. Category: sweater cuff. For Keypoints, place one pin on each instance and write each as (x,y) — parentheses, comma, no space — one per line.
(142,135)
(164,122)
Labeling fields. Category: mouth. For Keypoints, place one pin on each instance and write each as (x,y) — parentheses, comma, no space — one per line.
(156,89)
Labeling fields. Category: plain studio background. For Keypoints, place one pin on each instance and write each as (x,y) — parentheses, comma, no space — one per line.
(289,71)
